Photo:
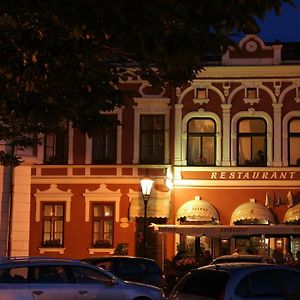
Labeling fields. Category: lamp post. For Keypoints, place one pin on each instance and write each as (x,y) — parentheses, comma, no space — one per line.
(146,185)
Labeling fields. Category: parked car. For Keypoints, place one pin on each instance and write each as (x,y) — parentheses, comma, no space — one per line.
(236,281)
(66,279)
(244,258)
(131,268)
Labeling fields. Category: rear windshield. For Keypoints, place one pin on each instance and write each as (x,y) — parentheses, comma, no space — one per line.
(206,283)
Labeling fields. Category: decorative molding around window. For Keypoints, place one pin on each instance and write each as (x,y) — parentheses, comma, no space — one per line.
(56,146)
(89,141)
(217,135)
(251,95)
(53,194)
(297,99)
(103,194)
(201,96)
(268,156)
(286,139)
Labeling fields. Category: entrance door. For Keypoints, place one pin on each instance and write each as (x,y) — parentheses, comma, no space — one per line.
(154,249)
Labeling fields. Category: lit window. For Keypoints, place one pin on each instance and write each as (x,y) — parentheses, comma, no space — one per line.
(152,139)
(53,225)
(201,146)
(294,142)
(252,141)
(103,225)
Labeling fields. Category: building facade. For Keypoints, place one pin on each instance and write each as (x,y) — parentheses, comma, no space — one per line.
(223,149)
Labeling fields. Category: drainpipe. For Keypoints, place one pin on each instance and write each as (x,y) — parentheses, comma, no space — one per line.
(10,205)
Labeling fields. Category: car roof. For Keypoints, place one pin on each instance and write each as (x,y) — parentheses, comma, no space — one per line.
(232,267)
(243,257)
(117,257)
(24,260)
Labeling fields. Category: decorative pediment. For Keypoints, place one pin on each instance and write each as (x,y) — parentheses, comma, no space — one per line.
(252,51)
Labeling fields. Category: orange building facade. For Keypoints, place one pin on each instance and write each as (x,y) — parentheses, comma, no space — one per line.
(222,150)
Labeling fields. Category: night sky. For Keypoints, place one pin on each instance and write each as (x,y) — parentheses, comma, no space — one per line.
(285,28)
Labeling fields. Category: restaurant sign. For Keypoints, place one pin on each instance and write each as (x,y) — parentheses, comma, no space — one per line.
(255,175)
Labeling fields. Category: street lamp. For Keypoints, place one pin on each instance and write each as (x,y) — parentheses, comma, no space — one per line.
(146,185)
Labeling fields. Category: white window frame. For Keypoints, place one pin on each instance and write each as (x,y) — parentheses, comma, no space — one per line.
(103,194)
(285,134)
(205,115)
(151,106)
(89,141)
(53,194)
(252,114)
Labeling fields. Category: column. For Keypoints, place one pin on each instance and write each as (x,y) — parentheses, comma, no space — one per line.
(277,142)
(226,134)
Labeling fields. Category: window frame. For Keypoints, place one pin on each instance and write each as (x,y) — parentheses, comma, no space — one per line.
(55,158)
(202,135)
(53,219)
(251,135)
(110,152)
(297,135)
(111,218)
(153,132)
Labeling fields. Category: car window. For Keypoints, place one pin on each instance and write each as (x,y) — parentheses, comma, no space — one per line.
(49,274)
(87,275)
(262,284)
(14,275)
(106,265)
(291,282)
(131,267)
(205,283)
(153,267)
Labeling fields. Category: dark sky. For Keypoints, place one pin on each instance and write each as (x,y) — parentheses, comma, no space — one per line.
(285,28)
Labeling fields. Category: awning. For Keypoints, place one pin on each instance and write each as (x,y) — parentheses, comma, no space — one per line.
(158,206)
(227,231)
(198,210)
(252,211)
(292,214)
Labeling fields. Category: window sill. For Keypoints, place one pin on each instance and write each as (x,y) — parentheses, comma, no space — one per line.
(51,249)
(99,250)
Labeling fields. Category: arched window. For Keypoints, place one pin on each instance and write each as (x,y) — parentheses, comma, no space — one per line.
(294,142)
(201,142)
(252,142)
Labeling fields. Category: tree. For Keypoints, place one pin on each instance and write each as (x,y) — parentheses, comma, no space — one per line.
(64,59)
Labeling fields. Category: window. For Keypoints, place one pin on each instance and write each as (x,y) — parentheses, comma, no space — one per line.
(201,93)
(213,284)
(103,225)
(14,275)
(56,147)
(105,143)
(251,93)
(49,274)
(294,142)
(53,224)
(87,275)
(201,146)
(152,141)
(252,141)
(264,284)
